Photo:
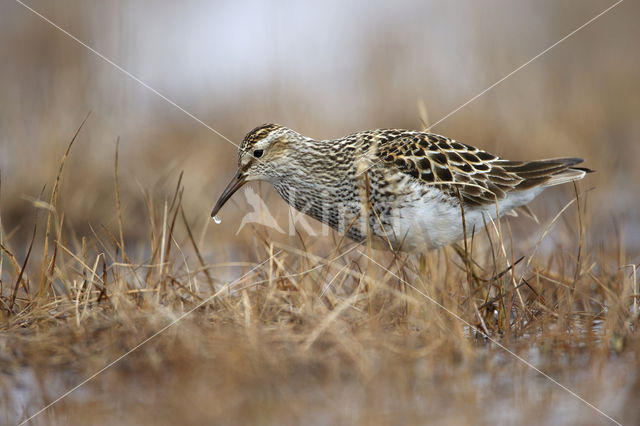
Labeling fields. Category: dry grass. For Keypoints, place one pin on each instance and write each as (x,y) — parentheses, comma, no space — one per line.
(109,244)
(313,331)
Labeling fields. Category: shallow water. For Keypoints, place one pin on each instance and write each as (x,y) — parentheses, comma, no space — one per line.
(495,389)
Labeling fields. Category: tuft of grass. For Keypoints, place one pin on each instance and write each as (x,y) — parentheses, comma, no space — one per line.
(312,331)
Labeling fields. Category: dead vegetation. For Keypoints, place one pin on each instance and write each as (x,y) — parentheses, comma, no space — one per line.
(106,329)
(122,303)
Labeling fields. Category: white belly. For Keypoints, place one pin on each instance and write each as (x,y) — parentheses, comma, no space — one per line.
(432,221)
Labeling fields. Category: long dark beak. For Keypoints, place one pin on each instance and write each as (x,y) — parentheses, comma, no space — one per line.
(236,182)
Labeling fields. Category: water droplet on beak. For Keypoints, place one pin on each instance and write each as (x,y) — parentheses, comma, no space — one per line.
(217,220)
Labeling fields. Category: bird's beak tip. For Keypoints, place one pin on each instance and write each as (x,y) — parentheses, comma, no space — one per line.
(236,182)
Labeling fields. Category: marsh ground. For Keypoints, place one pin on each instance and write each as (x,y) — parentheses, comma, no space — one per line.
(120,267)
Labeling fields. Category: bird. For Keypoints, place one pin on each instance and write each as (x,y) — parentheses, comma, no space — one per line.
(409,190)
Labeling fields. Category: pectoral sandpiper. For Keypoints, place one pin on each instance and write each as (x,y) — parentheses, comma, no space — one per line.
(409,189)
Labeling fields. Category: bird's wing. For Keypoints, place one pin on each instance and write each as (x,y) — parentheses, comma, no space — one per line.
(480,177)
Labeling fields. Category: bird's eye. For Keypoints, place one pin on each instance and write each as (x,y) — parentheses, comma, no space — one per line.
(258,153)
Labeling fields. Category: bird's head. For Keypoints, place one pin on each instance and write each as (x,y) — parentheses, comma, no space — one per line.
(263,154)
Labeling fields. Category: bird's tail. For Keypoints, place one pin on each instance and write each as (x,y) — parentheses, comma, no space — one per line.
(554,171)
(568,175)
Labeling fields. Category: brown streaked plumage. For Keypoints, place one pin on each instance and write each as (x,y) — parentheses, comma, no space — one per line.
(411,183)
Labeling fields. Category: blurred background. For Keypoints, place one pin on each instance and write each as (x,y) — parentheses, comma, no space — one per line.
(323,68)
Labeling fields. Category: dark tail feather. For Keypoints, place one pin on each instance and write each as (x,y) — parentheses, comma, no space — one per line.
(554,171)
